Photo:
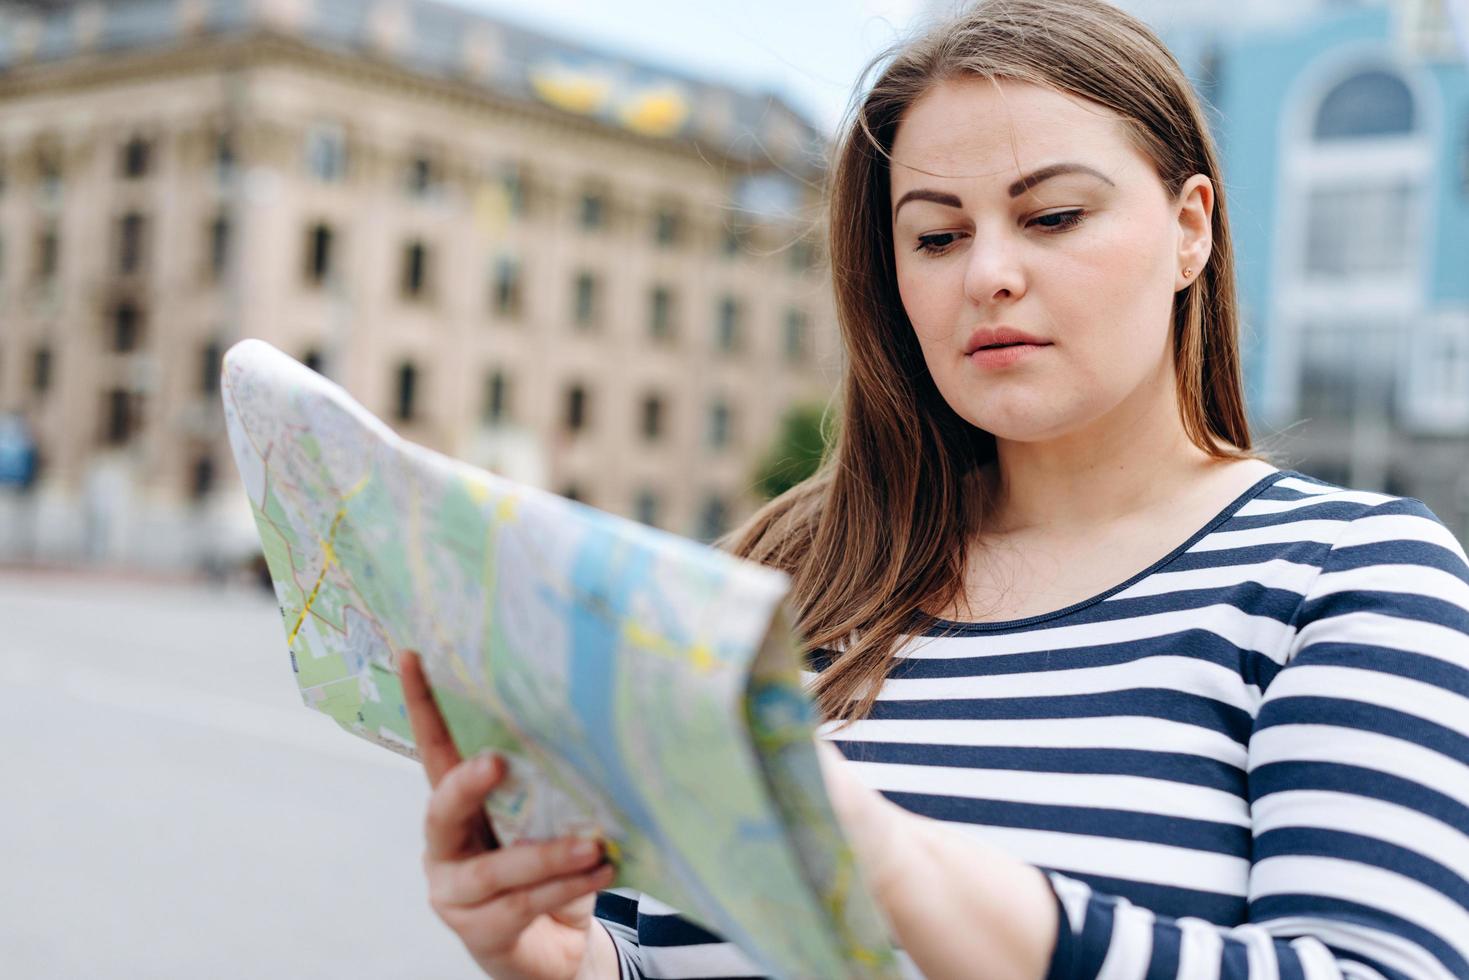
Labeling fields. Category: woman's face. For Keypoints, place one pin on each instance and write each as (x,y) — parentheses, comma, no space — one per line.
(1021,209)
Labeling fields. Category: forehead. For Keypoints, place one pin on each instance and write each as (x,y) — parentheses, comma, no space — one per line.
(974,127)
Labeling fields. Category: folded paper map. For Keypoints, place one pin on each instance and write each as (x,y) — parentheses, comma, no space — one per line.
(644,688)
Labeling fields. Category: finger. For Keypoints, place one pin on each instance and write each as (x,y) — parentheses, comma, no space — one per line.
(504,918)
(455,824)
(551,895)
(487,876)
(436,748)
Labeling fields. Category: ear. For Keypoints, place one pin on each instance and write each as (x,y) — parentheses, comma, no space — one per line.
(1195,206)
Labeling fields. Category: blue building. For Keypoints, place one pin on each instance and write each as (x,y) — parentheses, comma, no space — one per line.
(1345,133)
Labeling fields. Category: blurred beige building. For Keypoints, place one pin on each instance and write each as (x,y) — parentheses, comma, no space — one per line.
(591,275)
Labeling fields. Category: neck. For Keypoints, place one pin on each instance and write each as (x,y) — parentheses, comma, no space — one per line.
(1114,468)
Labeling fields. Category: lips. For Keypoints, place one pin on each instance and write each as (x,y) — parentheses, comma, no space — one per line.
(998,337)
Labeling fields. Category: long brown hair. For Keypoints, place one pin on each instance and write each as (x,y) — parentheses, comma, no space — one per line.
(882,531)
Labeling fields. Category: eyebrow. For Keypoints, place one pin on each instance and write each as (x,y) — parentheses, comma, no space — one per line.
(1015,190)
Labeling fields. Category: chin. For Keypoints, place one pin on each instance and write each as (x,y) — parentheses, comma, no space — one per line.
(1023,433)
(1018,423)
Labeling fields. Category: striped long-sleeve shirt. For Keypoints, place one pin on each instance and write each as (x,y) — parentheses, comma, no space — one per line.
(1250,760)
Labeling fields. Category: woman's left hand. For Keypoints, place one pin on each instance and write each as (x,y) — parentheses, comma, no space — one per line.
(951,899)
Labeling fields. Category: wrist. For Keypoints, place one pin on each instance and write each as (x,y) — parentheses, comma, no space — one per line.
(600,961)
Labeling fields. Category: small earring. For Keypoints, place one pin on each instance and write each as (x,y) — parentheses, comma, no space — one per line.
(1188,273)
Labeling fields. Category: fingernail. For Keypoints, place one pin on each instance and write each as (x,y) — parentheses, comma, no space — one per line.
(485,764)
(584,849)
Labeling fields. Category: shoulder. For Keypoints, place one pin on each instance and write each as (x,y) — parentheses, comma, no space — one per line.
(1343,519)
(1392,571)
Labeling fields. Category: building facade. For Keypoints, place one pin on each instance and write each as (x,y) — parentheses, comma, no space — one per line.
(590,275)
(1345,135)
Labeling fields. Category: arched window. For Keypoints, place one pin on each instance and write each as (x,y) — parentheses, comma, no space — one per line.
(1370,103)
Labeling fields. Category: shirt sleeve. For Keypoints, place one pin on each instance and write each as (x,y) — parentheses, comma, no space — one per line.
(1358,768)
(617,912)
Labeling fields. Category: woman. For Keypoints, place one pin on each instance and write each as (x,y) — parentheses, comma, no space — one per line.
(1138,702)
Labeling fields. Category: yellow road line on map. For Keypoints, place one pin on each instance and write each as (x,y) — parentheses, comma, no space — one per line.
(328,559)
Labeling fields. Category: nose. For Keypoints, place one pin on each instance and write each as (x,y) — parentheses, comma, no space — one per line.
(994,272)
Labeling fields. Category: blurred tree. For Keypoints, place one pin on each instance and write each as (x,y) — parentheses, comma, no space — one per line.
(796,453)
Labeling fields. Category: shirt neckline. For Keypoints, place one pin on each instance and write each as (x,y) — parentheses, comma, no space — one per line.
(948,627)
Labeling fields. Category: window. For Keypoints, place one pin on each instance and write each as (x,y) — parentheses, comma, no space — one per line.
(1436,386)
(727,325)
(507,292)
(660,313)
(497,398)
(713,517)
(119,419)
(326,152)
(48,253)
(652,418)
(319,241)
(219,246)
(201,477)
(667,226)
(593,213)
(1371,103)
(126,327)
(423,175)
(130,231)
(224,157)
(415,270)
(405,406)
(1327,378)
(802,256)
(1359,230)
(645,507)
(48,174)
(587,302)
(1346,370)
(731,242)
(209,364)
(513,183)
(718,435)
(41,367)
(576,408)
(759,197)
(796,339)
(134,162)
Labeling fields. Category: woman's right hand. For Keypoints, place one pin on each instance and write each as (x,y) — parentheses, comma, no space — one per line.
(523,912)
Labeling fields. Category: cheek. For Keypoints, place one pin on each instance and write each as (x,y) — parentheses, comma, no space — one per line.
(931,298)
(1123,285)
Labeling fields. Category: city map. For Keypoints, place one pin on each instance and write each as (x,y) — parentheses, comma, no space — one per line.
(644,688)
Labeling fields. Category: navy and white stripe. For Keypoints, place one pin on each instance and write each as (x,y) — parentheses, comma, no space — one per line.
(1249,761)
